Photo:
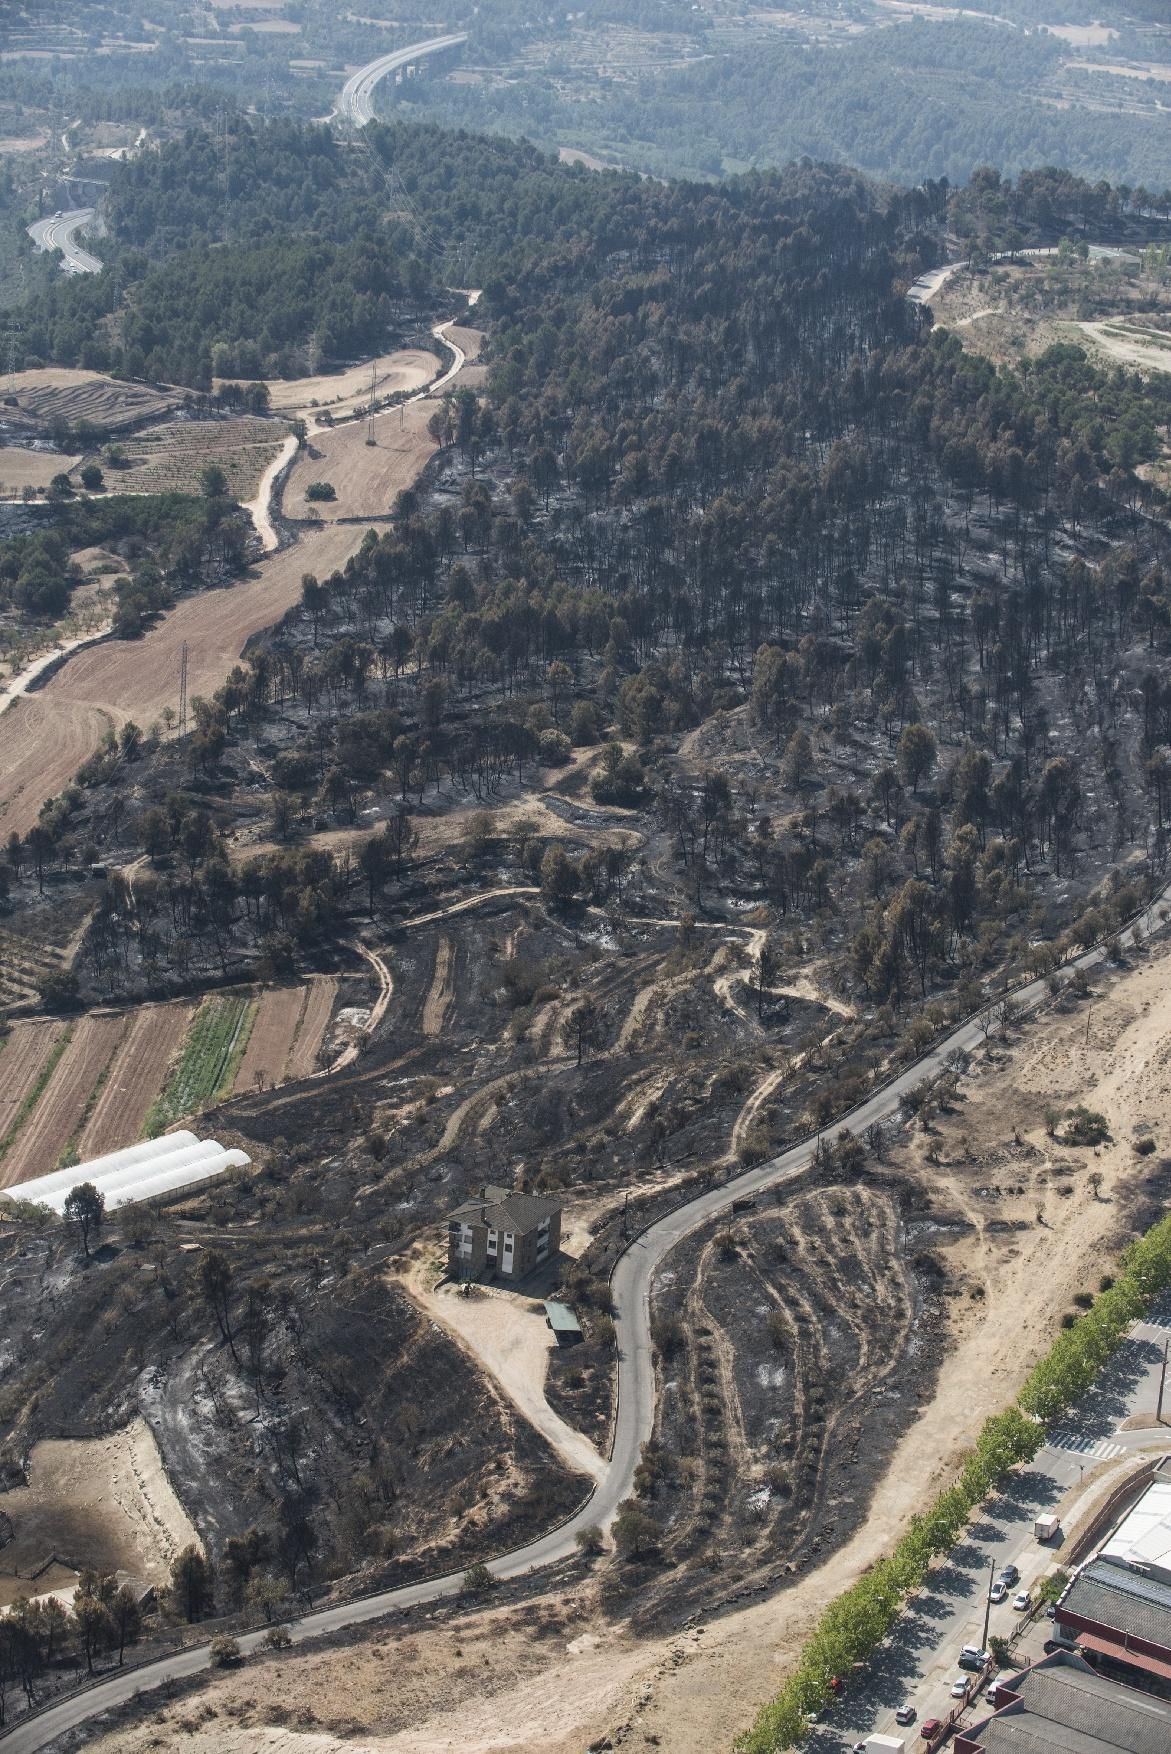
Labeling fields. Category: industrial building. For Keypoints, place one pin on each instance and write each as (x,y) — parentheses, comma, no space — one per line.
(1061,1705)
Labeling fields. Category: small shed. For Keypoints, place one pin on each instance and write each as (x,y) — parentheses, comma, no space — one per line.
(563,1322)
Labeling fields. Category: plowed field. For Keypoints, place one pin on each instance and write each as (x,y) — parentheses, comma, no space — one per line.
(364,477)
(314,1022)
(137,1073)
(53,393)
(61,1108)
(22,1060)
(271,1038)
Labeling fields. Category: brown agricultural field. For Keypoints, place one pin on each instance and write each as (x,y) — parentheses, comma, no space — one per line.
(341,392)
(61,1108)
(137,1073)
(365,477)
(106,1502)
(170,458)
(23,1058)
(52,393)
(20,468)
(271,1039)
(45,739)
(314,1023)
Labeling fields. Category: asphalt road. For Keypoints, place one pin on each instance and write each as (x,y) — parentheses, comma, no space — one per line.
(634,1419)
(58,234)
(356,103)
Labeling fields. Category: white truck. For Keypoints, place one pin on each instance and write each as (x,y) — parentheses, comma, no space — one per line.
(885,1744)
(1047,1527)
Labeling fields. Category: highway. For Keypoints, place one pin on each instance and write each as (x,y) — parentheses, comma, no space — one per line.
(58,233)
(631,1287)
(356,103)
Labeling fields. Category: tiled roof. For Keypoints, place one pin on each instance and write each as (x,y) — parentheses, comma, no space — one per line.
(503,1209)
(1065,1708)
(1124,1600)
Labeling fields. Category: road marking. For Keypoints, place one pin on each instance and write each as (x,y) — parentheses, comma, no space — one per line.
(1099,1449)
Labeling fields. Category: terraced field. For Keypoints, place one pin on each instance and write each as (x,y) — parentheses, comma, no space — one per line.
(171,457)
(787,1335)
(27,1056)
(23,966)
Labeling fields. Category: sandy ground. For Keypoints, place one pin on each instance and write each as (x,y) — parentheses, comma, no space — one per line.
(105,1502)
(508,1335)
(1128,348)
(691,1693)
(20,468)
(365,477)
(341,392)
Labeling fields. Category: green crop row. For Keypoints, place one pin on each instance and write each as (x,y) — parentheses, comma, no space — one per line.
(854,1625)
(207,1066)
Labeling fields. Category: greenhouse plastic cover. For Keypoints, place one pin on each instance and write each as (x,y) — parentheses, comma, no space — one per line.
(138,1172)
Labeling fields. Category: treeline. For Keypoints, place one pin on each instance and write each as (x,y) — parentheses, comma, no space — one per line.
(928,98)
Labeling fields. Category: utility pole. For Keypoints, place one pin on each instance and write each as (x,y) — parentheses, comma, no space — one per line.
(183,689)
(13,334)
(1162,1383)
(988,1605)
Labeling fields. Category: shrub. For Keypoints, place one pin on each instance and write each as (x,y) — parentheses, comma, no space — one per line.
(1145,1145)
(278,1638)
(636,1533)
(225,1652)
(1085,1126)
(590,1541)
(318,490)
(478,1580)
(92,478)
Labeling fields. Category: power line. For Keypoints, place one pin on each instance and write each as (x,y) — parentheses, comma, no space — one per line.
(183,689)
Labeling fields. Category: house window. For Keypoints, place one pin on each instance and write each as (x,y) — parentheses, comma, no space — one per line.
(506,1259)
(491,1242)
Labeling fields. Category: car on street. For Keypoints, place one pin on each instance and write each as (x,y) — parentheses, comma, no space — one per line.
(930,1728)
(1022,1602)
(998,1591)
(959,1687)
(859,1748)
(905,1714)
(1008,1575)
(971,1657)
(1051,1611)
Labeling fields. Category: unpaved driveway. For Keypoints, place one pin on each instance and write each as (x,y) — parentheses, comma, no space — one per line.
(508,1336)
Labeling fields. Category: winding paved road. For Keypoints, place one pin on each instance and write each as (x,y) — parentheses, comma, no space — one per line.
(356,103)
(631,1287)
(58,233)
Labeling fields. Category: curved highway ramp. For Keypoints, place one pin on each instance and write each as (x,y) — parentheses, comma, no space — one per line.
(59,233)
(356,103)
